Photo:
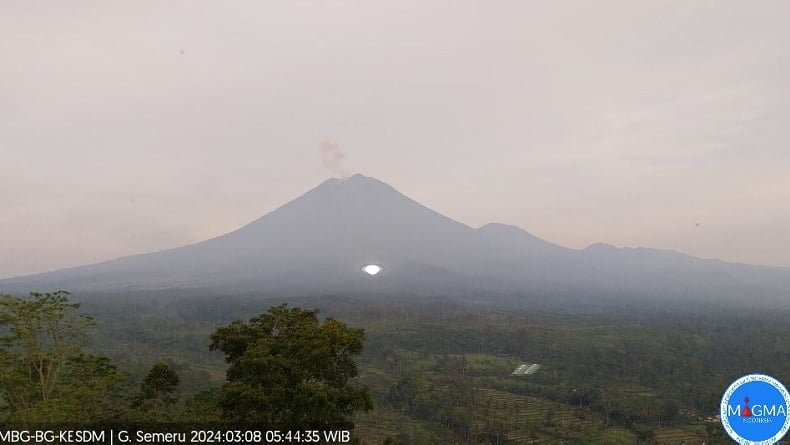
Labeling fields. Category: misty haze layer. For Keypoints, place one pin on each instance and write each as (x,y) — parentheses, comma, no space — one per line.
(318,243)
(130,127)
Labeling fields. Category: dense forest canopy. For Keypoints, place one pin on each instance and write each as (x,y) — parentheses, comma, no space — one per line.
(432,370)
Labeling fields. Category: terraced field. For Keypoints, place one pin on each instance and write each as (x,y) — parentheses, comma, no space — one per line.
(680,435)
(501,408)
(376,426)
(519,419)
(530,418)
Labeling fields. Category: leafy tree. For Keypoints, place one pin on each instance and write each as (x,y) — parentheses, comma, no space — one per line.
(161,381)
(156,390)
(43,333)
(202,407)
(289,371)
(402,394)
(44,373)
(88,392)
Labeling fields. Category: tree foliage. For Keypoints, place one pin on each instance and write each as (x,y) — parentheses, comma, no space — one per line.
(161,381)
(156,390)
(45,375)
(289,371)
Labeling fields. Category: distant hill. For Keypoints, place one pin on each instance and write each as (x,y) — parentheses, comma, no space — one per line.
(317,243)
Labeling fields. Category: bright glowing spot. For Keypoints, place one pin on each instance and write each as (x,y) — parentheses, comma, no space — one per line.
(372,269)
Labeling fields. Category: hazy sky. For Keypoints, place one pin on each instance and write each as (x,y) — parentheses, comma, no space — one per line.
(128,127)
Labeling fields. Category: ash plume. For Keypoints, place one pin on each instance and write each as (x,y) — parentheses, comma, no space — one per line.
(332,158)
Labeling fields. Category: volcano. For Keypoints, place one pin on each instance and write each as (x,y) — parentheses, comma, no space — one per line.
(319,242)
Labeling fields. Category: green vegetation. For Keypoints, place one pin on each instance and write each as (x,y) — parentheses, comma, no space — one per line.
(156,390)
(46,375)
(289,372)
(436,371)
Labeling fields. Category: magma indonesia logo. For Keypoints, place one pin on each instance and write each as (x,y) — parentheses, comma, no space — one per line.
(754,410)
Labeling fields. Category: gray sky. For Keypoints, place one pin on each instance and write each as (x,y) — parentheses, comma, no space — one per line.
(128,127)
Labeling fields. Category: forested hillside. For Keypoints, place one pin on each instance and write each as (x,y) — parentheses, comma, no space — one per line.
(437,370)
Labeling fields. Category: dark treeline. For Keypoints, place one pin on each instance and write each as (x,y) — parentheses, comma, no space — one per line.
(286,370)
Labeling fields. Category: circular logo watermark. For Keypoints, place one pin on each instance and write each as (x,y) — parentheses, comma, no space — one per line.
(754,410)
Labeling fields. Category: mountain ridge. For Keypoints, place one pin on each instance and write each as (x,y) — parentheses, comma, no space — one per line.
(317,243)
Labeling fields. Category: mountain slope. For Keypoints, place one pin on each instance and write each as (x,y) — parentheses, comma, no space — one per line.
(318,242)
(319,239)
